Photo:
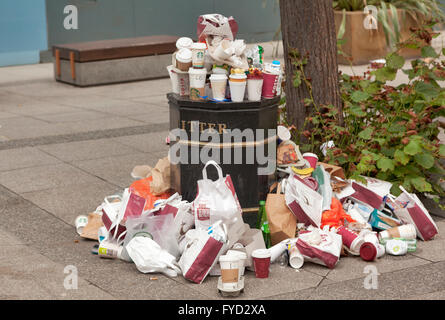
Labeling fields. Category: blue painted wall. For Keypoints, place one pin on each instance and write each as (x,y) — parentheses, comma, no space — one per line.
(22,31)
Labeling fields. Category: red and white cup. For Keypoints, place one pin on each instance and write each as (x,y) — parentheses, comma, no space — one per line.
(370,251)
(261,262)
(270,82)
(351,239)
(312,158)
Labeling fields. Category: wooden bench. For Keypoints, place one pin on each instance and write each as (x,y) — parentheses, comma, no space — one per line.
(112,61)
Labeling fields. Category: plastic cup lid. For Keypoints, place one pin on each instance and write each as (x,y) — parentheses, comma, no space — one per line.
(197,71)
(368,251)
(238,76)
(229,258)
(184,55)
(283,133)
(199,45)
(184,42)
(238,254)
(261,253)
(218,76)
(276,62)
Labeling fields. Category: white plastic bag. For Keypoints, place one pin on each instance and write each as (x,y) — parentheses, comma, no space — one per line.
(149,257)
(217,200)
(320,246)
(305,203)
(200,255)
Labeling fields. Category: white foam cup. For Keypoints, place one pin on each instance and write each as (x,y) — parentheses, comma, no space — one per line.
(219,83)
(237,83)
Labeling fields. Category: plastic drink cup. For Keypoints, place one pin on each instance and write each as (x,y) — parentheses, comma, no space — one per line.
(198,54)
(242,257)
(102,234)
(350,239)
(261,262)
(269,89)
(254,88)
(312,158)
(237,83)
(184,59)
(406,231)
(109,250)
(396,247)
(80,222)
(197,83)
(296,259)
(229,271)
(219,84)
(220,70)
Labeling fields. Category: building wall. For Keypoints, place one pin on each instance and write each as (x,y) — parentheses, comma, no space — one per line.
(22,31)
(258,20)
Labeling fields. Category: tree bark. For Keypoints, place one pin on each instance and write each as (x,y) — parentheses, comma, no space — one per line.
(308,26)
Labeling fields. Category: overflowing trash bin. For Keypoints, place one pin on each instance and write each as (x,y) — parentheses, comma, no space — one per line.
(187,219)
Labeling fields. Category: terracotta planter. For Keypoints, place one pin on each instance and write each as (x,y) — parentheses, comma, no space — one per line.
(363,45)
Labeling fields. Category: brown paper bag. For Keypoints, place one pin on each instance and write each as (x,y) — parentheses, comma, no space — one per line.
(161,177)
(334,171)
(282,222)
(92,227)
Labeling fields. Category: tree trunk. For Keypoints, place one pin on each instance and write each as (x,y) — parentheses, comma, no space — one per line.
(308,26)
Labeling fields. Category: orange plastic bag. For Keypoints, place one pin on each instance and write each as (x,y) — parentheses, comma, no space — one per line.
(142,188)
(336,216)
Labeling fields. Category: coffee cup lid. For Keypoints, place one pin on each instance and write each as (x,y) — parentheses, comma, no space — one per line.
(198,71)
(184,55)
(199,45)
(218,76)
(261,253)
(238,254)
(229,258)
(238,76)
(184,42)
(368,251)
(310,154)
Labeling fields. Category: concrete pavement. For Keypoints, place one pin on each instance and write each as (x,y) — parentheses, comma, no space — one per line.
(63,149)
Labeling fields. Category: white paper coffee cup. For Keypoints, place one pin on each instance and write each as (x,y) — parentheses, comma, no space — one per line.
(219,84)
(254,88)
(296,259)
(242,256)
(197,79)
(174,79)
(223,51)
(229,271)
(184,59)
(237,83)
(406,231)
(184,42)
(277,250)
(80,222)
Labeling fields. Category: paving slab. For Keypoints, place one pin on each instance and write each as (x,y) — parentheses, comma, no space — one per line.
(113,122)
(159,99)
(68,203)
(78,115)
(433,250)
(44,177)
(281,280)
(136,89)
(149,142)
(38,109)
(26,127)
(24,158)
(157,116)
(86,150)
(116,169)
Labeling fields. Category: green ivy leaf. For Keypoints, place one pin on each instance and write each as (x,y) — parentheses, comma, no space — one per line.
(385,164)
(421,184)
(412,148)
(395,127)
(359,96)
(365,134)
(394,61)
(427,90)
(425,159)
(401,157)
(357,111)
(385,74)
(429,52)
(442,150)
